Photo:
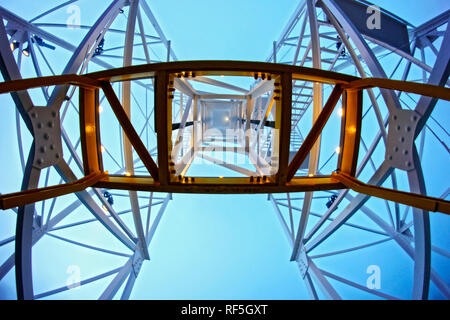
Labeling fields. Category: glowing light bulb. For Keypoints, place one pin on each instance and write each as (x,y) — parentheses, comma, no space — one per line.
(90,129)
(14,45)
(337,150)
(100,109)
(102,148)
(127,173)
(340,112)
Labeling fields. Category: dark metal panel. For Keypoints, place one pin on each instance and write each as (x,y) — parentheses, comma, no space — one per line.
(392,31)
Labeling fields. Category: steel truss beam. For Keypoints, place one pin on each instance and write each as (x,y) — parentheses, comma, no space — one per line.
(350,131)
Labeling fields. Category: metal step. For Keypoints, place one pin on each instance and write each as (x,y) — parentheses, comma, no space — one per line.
(298,86)
(302,95)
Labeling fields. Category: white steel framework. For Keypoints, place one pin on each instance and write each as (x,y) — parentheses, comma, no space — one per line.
(320,34)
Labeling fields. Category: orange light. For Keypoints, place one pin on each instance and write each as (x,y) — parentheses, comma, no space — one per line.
(352,129)
(127,173)
(90,129)
(310,175)
(340,112)
(100,109)
(338,150)
(104,208)
(102,148)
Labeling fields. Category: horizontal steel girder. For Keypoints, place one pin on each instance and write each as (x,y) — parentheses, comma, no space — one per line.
(161,180)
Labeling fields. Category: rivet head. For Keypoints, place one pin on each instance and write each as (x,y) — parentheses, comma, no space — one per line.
(50,124)
(54,113)
(46,136)
(40,161)
(405,152)
(34,115)
(43,149)
(57,156)
(39,125)
(52,147)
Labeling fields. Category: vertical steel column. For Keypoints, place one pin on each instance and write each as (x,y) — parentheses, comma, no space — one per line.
(285,126)
(90,130)
(162,114)
(126,103)
(317,107)
(350,131)
(24,234)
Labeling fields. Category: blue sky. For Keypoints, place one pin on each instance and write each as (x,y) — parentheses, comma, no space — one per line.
(216,246)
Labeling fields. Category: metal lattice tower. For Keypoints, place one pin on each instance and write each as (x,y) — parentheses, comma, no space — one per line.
(325,34)
(309,39)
